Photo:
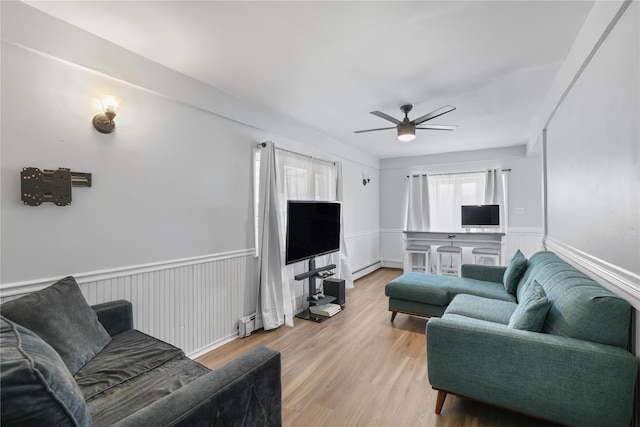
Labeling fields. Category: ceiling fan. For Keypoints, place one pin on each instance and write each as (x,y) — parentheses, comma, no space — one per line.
(407,128)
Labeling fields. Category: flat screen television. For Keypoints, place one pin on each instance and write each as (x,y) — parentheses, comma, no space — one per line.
(313,229)
(483,216)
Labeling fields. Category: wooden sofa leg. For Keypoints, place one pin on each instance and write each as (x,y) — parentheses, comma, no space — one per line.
(393,315)
(442,395)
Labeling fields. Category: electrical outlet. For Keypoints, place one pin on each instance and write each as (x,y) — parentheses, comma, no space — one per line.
(519,211)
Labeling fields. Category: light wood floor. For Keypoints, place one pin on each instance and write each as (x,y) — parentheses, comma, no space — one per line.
(359,369)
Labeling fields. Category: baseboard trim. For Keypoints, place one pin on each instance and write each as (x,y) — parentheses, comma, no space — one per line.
(210,347)
(392,264)
(18,288)
(618,280)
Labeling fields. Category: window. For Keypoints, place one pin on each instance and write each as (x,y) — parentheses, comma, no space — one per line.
(448,192)
(300,177)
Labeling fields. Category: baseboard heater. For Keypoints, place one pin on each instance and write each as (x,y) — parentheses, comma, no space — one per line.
(366,267)
(246,325)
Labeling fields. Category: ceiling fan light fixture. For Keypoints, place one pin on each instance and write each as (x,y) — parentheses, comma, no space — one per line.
(406,132)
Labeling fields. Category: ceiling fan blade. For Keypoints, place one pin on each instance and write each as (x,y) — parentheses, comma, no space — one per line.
(372,130)
(438,127)
(436,113)
(386,117)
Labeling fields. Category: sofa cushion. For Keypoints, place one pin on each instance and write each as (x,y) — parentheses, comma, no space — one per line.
(64,320)
(514,272)
(36,387)
(532,310)
(133,371)
(475,307)
(129,355)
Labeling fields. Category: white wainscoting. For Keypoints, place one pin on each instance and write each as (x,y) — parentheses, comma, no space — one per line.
(364,251)
(191,303)
(527,239)
(391,248)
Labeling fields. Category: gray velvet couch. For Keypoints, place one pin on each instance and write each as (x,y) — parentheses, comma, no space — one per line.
(66,363)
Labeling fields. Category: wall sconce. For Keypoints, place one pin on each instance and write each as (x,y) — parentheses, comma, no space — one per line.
(104,122)
(365,179)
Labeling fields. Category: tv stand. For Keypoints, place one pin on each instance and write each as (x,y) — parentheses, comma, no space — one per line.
(313,274)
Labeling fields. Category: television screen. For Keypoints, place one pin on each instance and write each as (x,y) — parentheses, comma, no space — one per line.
(313,229)
(482,216)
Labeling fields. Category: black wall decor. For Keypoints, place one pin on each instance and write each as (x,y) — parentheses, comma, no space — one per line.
(50,185)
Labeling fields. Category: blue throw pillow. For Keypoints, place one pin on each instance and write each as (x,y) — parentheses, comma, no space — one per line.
(36,388)
(514,272)
(60,315)
(532,309)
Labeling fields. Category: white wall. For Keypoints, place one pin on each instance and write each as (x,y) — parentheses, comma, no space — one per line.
(525,192)
(592,151)
(171,187)
(163,183)
(592,155)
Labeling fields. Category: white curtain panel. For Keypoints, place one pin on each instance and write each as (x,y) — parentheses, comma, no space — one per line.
(448,192)
(283,176)
(495,193)
(301,177)
(418,204)
(274,305)
(343,270)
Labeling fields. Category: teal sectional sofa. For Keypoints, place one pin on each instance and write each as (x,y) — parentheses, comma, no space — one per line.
(552,343)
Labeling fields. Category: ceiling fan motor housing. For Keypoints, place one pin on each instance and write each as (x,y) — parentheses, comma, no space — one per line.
(406,130)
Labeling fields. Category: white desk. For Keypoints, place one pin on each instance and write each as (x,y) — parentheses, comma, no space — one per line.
(464,239)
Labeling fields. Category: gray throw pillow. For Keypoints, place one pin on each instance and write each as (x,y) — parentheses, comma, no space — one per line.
(36,388)
(514,272)
(532,309)
(60,315)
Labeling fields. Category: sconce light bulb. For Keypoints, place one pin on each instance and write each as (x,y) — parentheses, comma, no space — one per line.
(110,106)
(104,122)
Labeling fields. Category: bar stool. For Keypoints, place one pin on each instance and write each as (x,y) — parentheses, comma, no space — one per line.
(417,251)
(453,252)
(479,254)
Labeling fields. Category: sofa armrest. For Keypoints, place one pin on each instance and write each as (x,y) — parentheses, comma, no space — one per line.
(244,392)
(487,273)
(563,379)
(115,316)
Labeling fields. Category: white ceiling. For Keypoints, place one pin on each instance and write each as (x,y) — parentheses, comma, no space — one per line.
(328,64)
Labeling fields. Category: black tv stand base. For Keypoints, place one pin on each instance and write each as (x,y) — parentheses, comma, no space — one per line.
(307,315)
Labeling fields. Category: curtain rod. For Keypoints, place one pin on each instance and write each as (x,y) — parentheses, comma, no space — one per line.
(453,173)
(264,144)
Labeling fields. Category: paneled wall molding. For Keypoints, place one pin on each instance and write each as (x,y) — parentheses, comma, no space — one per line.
(624,283)
(391,247)
(18,288)
(525,230)
(526,239)
(360,233)
(193,303)
(364,251)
